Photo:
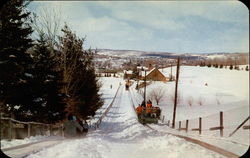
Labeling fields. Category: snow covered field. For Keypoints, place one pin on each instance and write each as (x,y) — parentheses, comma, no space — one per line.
(226,90)
(120,134)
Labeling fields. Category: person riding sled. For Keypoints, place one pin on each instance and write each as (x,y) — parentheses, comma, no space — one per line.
(71,126)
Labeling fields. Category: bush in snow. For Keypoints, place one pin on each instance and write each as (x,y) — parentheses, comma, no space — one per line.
(179,97)
(200,100)
(218,100)
(236,67)
(246,68)
(190,100)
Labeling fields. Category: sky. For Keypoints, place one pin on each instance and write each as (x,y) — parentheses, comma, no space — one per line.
(165,26)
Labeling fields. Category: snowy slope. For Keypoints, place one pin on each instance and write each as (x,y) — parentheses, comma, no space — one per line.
(107,91)
(120,135)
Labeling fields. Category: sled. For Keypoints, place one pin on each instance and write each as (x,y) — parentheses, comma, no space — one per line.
(146,117)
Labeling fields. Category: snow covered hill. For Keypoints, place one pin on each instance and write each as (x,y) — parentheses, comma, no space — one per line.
(120,134)
(142,54)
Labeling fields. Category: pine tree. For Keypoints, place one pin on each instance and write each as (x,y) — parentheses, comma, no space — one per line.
(79,75)
(48,105)
(15,39)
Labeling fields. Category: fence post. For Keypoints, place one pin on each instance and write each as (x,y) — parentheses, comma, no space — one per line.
(179,125)
(10,129)
(186,125)
(50,130)
(221,124)
(29,129)
(200,125)
(163,118)
(62,134)
(1,134)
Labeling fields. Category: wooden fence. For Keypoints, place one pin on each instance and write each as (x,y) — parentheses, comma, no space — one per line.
(14,129)
(220,127)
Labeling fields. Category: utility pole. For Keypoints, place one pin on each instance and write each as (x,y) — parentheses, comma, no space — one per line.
(176,88)
(145,87)
(171,72)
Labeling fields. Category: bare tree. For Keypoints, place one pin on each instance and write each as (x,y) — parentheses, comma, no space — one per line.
(200,100)
(179,97)
(218,100)
(190,100)
(49,22)
(157,94)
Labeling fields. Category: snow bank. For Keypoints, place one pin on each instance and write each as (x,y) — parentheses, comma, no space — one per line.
(16,142)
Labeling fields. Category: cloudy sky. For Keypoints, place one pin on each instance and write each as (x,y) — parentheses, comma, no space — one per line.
(169,26)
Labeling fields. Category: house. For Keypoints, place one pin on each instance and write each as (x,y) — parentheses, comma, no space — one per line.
(154,75)
(128,73)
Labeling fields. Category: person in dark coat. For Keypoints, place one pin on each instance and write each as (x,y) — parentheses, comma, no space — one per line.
(71,126)
(143,104)
(85,126)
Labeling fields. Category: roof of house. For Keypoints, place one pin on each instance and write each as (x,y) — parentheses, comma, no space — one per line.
(148,72)
(128,71)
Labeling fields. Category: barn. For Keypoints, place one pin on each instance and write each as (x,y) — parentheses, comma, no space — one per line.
(155,75)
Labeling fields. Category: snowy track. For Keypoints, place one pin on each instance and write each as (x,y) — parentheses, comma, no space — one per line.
(120,135)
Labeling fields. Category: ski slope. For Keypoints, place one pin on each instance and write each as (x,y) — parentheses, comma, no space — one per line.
(120,135)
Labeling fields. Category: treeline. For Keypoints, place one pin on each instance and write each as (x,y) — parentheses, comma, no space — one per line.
(43,80)
(231,67)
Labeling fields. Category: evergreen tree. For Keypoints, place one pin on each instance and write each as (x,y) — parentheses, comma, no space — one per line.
(15,39)
(48,105)
(79,75)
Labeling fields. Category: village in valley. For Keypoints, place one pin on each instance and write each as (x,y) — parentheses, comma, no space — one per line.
(165,80)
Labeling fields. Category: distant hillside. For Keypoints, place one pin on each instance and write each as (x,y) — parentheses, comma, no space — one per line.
(191,56)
